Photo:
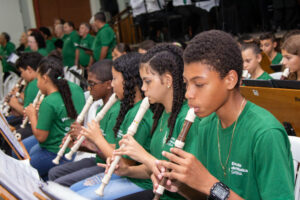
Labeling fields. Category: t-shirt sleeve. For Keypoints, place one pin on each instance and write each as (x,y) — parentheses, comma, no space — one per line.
(45,117)
(106,37)
(75,38)
(142,136)
(109,132)
(274,166)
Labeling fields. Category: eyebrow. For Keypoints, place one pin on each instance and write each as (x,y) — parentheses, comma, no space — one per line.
(194,78)
(145,78)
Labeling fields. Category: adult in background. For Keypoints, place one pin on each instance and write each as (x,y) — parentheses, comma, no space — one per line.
(6,48)
(68,50)
(87,42)
(105,39)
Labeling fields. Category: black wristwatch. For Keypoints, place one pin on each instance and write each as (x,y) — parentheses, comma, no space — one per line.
(219,191)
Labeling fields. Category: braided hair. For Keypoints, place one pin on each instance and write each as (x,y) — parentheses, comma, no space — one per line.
(128,65)
(167,58)
(53,67)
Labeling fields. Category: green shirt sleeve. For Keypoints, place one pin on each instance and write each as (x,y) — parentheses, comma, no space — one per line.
(106,37)
(109,133)
(272,164)
(46,117)
(30,92)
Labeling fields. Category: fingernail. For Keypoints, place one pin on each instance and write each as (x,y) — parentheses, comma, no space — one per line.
(159,176)
(163,153)
(162,169)
(156,161)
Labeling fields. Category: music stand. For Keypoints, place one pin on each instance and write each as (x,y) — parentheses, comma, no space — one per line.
(276,67)
(289,84)
(258,83)
(17,146)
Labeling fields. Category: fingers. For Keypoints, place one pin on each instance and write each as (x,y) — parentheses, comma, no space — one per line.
(154,181)
(101,165)
(173,157)
(170,166)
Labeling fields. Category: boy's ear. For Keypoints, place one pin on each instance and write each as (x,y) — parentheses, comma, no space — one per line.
(231,79)
(29,69)
(259,57)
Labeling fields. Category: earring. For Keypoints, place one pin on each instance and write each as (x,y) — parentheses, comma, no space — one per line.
(168,86)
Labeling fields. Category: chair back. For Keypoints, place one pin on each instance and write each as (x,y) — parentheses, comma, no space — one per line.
(295,148)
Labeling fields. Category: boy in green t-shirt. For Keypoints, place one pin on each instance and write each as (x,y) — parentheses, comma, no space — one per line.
(27,65)
(243,151)
(99,79)
(268,44)
(251,59)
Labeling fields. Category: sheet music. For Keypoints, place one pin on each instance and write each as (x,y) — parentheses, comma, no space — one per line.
(19,177)
(10,136)
(56,191)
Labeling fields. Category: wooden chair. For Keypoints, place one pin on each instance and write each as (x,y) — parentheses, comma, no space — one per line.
(284,104)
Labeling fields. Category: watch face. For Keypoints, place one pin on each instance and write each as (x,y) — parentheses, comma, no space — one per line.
(220,192)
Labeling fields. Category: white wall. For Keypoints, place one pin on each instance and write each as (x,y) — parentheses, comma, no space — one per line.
(11,19)
(95,6)
(122,4)
(27,12)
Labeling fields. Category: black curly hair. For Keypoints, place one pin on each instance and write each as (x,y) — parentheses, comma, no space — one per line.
(128,65)
(167,58)
(31,59)
(218,50)
(53,67)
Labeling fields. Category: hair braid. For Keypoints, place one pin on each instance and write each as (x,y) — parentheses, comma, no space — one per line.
(128,65)
(168,58)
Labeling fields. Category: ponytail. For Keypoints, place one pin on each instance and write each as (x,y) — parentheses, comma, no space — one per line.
(53,68)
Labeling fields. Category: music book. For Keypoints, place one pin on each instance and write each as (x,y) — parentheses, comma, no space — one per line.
(12,58)
(16,146)
(20,179)
(82,47)
(276,67)
(258,83)
(288,84)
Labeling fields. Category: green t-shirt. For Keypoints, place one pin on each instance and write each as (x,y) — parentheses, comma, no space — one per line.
(27,49)
(53,117)
(260,164)
(68,50)
(43,52)
(142,135)
(105,37)
(159,144)
(4,53)
(107,124)
(85,42)
(30,92)
(53,39)
(77,94)
(277,59)
(50,45)
(264,76)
